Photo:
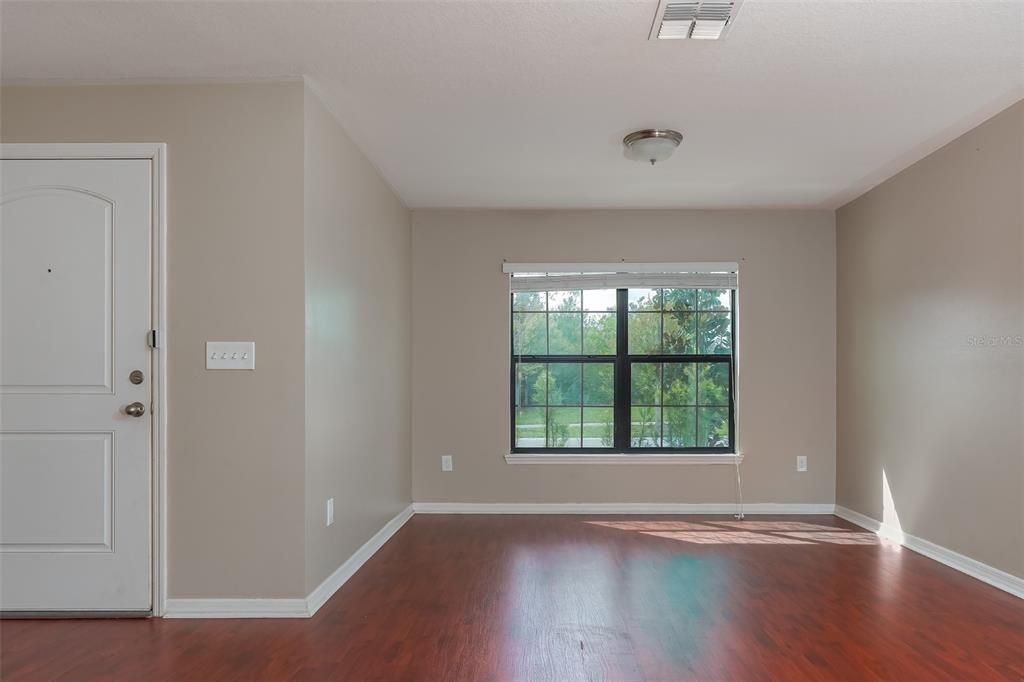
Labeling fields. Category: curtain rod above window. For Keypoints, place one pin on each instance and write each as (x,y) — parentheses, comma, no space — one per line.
(619,267)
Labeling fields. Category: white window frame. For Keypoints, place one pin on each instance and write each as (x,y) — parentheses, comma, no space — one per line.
(696,269)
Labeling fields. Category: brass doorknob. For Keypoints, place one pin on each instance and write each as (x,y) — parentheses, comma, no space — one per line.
(135,410)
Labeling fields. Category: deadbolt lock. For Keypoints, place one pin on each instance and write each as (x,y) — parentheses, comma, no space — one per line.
(136,377)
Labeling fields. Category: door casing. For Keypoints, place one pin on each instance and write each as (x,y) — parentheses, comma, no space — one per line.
(156,153)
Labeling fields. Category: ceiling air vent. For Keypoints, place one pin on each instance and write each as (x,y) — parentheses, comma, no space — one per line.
(696,19)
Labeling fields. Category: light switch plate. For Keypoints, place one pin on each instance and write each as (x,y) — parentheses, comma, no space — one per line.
(330,510)
(801,462)
(230,355)
(446,462)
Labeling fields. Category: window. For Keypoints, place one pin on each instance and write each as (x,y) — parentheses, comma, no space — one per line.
(629,369)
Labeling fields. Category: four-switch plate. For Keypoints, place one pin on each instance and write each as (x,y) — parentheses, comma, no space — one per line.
(230,355)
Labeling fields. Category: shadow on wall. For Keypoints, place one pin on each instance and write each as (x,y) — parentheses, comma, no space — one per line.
(745,532)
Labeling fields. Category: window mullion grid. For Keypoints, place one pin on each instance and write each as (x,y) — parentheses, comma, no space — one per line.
(622,415)
(547,406)
(581,398)
(547,369)
(696,400)
(622,363)
(660,410)
(582,315)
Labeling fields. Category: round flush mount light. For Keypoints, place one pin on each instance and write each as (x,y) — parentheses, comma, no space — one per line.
(653,144)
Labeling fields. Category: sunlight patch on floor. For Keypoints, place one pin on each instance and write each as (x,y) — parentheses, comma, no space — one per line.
(776,525)
(839,537)
(651,525)
(745,532)
(734,537)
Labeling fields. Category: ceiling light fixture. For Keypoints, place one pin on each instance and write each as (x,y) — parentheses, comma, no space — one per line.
(652,144)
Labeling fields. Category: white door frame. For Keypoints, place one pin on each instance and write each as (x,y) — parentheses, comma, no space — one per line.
(157,154)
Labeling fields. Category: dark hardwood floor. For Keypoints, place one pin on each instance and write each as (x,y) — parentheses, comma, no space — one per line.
(567,598)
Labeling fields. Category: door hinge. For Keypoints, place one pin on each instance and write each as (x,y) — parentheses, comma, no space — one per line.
(154,338)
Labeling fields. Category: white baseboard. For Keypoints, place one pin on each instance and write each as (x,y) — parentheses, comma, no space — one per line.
(617,508)
(334,581)
(868,523)
(976,569)
(288,608)
(235,608)
(305,608)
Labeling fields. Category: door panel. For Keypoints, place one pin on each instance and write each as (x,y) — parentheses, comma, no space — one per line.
(50,295)
(75,288)
(69,513)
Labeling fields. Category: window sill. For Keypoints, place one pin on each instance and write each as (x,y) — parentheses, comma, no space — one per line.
(624,458)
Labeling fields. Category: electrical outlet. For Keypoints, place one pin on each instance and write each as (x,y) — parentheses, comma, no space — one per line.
(330,510)
(446,462)
(801,463)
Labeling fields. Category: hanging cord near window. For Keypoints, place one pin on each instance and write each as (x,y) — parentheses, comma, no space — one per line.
(738,483)
(739,491)
(512,393)
(732,368)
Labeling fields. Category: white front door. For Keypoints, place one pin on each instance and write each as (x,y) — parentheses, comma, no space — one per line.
(75,424)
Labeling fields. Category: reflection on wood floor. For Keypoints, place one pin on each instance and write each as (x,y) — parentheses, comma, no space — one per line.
(565,598)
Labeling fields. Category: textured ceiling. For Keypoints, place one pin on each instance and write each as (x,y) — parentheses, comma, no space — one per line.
(480,103)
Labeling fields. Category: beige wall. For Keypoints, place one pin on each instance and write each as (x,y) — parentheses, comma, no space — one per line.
(277,224)
(235,272)
(929,262)
(358,331)
(280,231)
(460,351)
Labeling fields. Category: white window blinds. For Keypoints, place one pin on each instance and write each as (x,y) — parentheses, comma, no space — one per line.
(572,276)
